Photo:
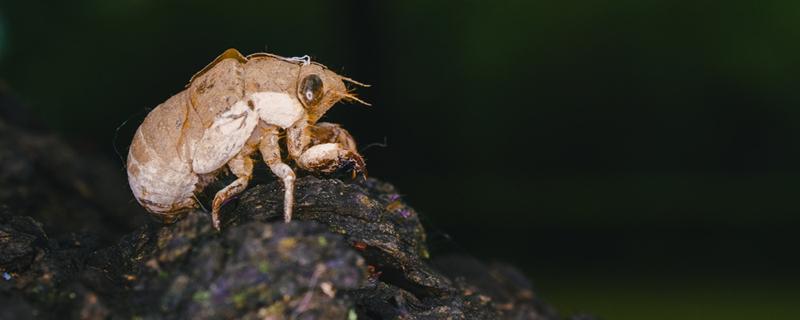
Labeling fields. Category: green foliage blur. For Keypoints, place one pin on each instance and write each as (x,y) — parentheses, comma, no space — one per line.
(639,159)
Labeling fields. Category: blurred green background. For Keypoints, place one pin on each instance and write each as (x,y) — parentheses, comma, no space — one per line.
(638,159)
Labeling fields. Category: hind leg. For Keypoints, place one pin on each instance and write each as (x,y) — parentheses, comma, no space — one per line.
(241,166)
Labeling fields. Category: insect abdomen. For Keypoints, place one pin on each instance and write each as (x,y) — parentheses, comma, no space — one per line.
(159,171)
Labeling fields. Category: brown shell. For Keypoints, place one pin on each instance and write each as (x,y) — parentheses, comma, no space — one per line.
(162,153)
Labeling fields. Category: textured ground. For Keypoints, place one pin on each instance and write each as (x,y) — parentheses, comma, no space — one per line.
(73,245)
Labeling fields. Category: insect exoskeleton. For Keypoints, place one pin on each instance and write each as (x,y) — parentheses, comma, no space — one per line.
(232,108)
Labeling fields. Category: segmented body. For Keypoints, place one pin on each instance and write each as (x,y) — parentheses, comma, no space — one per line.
(186,141)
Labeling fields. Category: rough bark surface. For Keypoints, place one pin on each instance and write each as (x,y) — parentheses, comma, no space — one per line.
(355,250)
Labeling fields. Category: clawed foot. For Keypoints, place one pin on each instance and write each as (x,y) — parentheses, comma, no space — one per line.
(215,220)
(216,207)
(353,163)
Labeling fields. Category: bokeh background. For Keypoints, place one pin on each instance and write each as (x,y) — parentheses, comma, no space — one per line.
(638,159)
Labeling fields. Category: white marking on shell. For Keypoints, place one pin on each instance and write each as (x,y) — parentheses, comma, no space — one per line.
(224,139)
(305,60)
(277,108)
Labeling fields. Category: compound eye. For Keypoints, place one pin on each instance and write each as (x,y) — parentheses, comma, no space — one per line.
(310,90)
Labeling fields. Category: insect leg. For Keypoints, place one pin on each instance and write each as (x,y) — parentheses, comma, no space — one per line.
(298,138)
(334,148)
(242,166)
(326,132)
(271,152)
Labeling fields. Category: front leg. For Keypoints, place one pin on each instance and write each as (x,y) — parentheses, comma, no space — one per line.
(298,138)
(333,148)
(326,132)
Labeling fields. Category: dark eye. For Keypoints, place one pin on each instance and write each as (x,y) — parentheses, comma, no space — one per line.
(310,90)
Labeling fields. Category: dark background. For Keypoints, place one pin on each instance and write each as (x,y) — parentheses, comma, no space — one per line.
(638,159)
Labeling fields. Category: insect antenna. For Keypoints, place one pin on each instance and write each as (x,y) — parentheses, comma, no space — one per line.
(351,97)
(116,135)
(354,98)
(200,203)
(355,82)
(383,144)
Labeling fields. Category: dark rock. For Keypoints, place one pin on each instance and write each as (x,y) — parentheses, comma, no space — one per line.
(40,271)
(67,191)
(369,215)
(254,270)
(354,250)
